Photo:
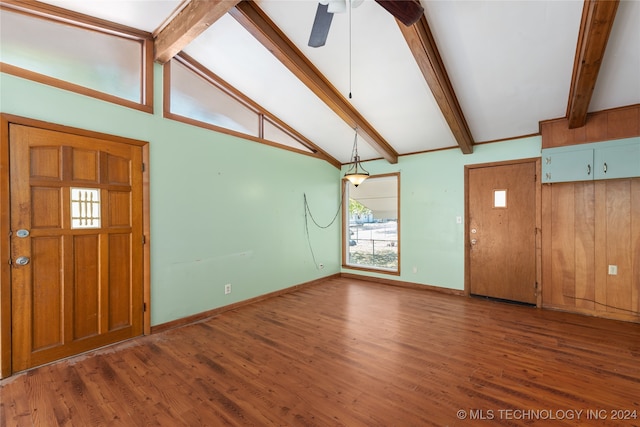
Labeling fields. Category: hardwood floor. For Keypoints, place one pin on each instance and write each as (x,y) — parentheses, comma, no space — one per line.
(348,353)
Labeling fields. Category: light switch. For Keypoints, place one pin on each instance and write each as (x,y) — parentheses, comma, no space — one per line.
(613,270)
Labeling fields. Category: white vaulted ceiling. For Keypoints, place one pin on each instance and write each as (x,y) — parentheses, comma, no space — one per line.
(510,64)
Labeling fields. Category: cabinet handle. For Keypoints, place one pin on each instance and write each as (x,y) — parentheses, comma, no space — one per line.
(605,168)
(588,169)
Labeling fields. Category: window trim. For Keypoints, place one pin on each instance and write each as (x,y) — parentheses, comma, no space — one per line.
(89,23)
(262,113)
(345,227)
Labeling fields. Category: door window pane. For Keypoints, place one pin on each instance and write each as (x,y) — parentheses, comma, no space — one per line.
(499,198)
(85,208)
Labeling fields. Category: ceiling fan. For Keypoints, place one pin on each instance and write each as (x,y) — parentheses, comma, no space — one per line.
(405,11)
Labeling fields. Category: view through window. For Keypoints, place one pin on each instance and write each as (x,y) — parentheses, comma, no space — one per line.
(371,224)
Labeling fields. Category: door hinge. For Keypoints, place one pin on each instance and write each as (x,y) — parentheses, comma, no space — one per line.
(143,167)
(144,306)
(144,239)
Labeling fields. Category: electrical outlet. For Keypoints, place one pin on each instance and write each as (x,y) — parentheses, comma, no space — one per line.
(227,289)
(613,270)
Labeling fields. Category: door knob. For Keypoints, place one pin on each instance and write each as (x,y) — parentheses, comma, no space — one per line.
(22,260)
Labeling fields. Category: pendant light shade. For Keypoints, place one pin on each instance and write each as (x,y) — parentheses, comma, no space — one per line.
(356,174)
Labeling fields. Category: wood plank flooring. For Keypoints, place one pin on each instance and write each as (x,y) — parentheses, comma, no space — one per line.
(348,353)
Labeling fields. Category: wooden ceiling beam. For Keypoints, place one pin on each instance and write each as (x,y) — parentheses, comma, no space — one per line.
(254,20)
(597,21)
(188,24)
(423,46)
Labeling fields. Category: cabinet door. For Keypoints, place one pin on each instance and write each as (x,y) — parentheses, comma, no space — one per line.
(567,165)
(620,161)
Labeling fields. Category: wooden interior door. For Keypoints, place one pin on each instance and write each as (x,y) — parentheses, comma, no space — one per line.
(76,244)
(502,231)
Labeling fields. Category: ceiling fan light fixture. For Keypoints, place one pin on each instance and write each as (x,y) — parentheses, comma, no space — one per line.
(356,174)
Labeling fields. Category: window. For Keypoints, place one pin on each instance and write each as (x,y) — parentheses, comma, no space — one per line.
(372,228)
(194,97)
(199,97)
(102,63)
(272,132)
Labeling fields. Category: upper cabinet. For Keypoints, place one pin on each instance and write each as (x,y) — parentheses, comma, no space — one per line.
(618,161)
(587,162)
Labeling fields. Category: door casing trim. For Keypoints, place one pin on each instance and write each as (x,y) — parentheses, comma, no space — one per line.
(538,207)
(5,225)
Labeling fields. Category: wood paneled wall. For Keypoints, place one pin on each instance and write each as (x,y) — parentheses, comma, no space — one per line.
(601,126)
(588,226)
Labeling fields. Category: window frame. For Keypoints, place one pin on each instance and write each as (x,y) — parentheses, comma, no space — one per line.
(78,20)
(261,112)
(346,228)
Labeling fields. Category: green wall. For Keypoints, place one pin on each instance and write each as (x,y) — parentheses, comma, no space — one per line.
(223,209)
(227,210)
(431,197)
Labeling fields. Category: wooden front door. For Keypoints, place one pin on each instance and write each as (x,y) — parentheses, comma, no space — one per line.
(76,244)
(501,232)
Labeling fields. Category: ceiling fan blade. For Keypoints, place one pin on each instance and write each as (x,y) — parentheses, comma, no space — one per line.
(321,25)
(406,11)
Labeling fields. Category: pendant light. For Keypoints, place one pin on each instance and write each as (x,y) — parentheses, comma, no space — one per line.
(356,174)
